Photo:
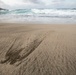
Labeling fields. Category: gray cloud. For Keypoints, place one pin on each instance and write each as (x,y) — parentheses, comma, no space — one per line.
(44,4)
(2,4)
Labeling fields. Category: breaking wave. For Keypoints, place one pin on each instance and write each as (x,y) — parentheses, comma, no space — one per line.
(38,14)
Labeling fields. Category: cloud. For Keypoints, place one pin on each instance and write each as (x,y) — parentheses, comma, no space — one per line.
(32,1)
(2,4)
(40,3)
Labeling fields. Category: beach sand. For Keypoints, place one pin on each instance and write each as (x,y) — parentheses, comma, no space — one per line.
(27,49)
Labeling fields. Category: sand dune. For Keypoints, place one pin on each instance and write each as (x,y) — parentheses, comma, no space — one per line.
(37,49)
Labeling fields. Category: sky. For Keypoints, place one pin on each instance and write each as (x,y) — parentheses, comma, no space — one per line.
(38,4)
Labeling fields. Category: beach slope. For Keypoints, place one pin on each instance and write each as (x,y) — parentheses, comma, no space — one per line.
(27,49)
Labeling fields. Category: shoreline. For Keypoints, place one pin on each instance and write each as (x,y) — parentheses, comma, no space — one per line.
(34,23)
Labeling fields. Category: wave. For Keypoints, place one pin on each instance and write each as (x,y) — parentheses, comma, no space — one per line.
(41,11)
(54,11)
(39,14)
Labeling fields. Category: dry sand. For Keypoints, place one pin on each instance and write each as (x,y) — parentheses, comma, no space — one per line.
(37,49)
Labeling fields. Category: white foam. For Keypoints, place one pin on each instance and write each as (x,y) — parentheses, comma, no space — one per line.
(41,16)
(54,11)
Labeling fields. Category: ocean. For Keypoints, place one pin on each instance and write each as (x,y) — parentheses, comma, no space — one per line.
(41,16)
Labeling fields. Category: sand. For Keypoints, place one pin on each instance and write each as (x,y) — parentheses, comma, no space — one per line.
(27,49)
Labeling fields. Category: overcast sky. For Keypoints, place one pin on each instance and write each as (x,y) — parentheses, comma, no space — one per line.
(38,3)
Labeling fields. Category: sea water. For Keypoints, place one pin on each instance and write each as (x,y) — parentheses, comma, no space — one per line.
(45,16)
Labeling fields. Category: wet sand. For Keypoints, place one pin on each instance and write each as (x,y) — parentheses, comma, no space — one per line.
(27,49)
